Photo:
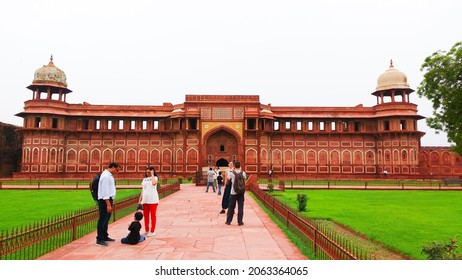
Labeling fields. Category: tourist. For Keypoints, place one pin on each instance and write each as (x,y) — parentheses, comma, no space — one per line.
(149,199)
(234,197)
(210,175)
(134,236)
(215,176)
(227,191)
(219,182)
(106,195)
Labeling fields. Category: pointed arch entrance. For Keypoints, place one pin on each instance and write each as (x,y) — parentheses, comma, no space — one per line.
(221,147)
(222,162)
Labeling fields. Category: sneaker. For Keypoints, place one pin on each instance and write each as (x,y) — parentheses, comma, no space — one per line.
(101,243)
(151,234)
(228,224)
(109,239)
(240,224)
(222,211)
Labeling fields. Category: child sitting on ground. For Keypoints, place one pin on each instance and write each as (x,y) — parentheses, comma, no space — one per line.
(134,237)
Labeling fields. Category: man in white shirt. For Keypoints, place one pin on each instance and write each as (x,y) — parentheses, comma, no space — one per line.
(106,195)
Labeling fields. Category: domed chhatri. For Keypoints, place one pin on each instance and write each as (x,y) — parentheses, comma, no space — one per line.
(50,75)
(51,80)
(392,79)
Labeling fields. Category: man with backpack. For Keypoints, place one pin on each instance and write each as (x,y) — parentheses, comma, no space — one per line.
(106,195)
(237,194)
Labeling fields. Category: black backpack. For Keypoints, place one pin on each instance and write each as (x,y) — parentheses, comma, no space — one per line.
(94,187)
(239,182)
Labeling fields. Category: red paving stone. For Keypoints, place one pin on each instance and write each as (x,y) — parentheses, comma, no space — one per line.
(189,227)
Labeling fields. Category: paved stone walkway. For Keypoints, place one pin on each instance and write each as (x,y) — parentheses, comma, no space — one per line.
(189,227)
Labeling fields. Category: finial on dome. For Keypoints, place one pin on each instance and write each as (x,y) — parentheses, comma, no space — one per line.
(391,63)
(51,61)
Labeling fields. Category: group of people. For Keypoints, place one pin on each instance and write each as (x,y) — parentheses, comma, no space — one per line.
(149,200)
(214,179)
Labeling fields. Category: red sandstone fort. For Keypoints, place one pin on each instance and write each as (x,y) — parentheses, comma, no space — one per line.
(78,140)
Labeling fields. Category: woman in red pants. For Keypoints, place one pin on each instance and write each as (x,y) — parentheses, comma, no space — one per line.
(149,198)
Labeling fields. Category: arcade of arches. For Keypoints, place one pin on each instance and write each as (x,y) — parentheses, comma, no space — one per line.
(77,140)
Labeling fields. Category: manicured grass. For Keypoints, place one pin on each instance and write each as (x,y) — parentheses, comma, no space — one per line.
(24,207)
(294,238)
(403,220)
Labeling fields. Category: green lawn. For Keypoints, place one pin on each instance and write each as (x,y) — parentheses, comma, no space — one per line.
(403,220)
(24,207)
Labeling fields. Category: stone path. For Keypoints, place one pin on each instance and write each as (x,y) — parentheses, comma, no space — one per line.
(189,227)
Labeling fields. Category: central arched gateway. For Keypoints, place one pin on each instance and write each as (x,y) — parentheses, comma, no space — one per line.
(221,147)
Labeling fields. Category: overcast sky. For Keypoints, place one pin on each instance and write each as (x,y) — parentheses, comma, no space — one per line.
(299,53)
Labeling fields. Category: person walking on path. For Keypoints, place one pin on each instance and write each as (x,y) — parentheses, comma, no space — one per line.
(149,198)
(219,182)
(210,175)
(215,176)
(227,191)
(235,197)
(134,237)
(106,195)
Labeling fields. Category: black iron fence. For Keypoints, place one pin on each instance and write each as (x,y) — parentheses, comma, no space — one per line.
(365,184)
(323,242)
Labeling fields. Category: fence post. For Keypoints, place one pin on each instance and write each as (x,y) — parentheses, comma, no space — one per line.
(77,185)
(74,228)
(113,212)
(38,185)
(328,184)
(315,242)
(365,185)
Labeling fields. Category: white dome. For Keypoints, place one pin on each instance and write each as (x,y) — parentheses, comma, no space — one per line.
(392,79)
(50,75)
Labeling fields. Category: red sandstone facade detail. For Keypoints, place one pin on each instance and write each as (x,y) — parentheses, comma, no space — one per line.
(78,140)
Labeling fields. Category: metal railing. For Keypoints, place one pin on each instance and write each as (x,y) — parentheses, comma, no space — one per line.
(364,184)
(34,240)
(323,242)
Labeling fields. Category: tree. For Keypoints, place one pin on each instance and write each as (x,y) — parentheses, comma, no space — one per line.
(442,85)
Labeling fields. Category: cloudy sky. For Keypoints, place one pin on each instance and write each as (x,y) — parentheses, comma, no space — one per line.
(304,53)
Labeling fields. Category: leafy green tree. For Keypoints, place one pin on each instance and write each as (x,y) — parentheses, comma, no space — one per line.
(442,85)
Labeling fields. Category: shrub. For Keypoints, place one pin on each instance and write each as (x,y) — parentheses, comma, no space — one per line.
(442,251)
(302,200)
(180,180)
(270,187)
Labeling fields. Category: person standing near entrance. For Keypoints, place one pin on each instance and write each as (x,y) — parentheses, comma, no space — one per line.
(219,182)
(106,195)
(210,175)
(234,197)
(227,191)
(215,176)
(149,198)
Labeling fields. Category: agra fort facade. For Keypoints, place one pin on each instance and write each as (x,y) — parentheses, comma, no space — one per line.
(79,140)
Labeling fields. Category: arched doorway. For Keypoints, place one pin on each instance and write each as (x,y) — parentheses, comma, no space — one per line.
(221,147)
(222,162)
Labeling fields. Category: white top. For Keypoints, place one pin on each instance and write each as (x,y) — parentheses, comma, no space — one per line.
(149,193)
